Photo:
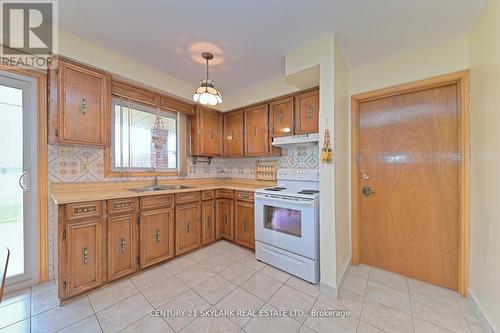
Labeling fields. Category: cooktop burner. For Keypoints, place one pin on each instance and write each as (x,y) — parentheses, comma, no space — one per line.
(275,189)
(308,192)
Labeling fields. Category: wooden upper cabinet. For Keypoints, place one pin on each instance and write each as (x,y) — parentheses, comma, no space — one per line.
(256,131)
(172,104)
(206,132)
(156,236)
(188,227)
(79,98)
(307,112)
(233,134)
(281,117)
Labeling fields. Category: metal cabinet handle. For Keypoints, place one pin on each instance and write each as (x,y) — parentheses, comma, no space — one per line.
(83,106)
(255,130)
(157,236)
(212,134)
(122,245)
(281,117)
(225,218)
(309,112)
(208,221)
(245,224)
(188,227)
(85,256)
(232,134)
(21,183)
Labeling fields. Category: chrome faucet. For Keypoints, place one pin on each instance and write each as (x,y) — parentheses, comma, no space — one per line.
(155,181)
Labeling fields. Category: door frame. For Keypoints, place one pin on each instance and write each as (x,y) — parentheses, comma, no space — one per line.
(42,163)
(461,79)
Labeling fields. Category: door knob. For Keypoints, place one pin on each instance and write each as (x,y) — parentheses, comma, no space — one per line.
(367,191)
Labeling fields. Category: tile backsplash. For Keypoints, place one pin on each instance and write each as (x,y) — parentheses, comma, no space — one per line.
(84,164)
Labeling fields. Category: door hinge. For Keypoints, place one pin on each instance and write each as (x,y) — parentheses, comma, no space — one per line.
(64,284)
(64,235)
(138,220)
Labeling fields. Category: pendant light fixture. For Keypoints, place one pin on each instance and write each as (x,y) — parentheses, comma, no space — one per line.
(206,93)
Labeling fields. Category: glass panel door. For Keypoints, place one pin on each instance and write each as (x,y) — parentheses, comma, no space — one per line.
(284,220)
(17,226)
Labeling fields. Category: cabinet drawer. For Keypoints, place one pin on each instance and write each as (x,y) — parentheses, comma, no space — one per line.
(244,196)
(155,201)
(122,205)
(187,197)
(207,195)
(224,193)
(78,211)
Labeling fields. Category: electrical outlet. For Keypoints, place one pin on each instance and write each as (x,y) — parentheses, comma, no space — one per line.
(84,166)
(65,151)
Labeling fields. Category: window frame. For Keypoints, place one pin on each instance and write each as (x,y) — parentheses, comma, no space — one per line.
(109,171)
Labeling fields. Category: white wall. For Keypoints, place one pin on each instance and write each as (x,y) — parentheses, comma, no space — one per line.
(322,53)
(485,164)
(342,158)
(444,58)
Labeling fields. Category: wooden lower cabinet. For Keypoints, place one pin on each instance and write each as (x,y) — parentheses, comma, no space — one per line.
(244,224)
(156,236)
(207,221)
(122,246)
(224,212)
(84,256)
(188,227)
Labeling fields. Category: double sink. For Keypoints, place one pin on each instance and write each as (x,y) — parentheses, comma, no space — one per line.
(154,188)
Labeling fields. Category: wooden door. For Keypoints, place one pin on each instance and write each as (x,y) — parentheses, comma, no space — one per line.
(156,236)
(408,184)
(244,224)
(307,113)
(281,117)
(224,212)
(208,221)
(84,256)
(233,134)
(212,132)
(122,246)
(82,105)
(256,131)
(188,228)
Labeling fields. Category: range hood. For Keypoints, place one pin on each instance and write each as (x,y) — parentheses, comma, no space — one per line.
(295,139)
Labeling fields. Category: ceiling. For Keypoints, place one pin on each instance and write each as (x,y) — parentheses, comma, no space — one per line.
(251,38)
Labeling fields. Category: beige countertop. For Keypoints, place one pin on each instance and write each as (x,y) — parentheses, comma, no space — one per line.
(64,193)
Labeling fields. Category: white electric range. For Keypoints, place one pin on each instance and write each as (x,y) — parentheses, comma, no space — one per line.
(287,223)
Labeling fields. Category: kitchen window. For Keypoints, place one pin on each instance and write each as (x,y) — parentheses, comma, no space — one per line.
(144,140)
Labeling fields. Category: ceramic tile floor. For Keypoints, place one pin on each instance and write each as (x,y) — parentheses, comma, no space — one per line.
(224,276)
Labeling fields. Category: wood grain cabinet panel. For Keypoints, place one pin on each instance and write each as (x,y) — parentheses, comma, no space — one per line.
(256,131)
(188,228)
(233,134)
(206,132)
(156,236)
(122,246)
(84,256)
(281,117)
(307,113)
(224,212)
(208,221)
(244,224)
(80,98)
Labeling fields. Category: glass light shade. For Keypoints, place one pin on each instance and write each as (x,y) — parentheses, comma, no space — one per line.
(207,94)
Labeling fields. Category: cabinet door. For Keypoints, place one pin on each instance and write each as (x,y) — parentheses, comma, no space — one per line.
(224,212)
(208,221)
(84,256)
(281,117)
(256,131)
(244,224)
(83,99)
(211,139)
(307,113)
(156,236)
(233,134)
(188,228)
(122,248)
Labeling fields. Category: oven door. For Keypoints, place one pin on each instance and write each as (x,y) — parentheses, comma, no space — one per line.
(289,224)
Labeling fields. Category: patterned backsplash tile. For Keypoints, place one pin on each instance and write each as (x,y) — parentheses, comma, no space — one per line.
(83,164)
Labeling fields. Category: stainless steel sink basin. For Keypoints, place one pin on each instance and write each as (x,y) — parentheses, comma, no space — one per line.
(159,188)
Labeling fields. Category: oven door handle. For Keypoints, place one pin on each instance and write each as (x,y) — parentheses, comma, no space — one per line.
(267,200)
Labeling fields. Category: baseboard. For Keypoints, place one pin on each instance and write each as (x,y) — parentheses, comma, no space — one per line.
(344,274)
(327,290)
(480,314)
